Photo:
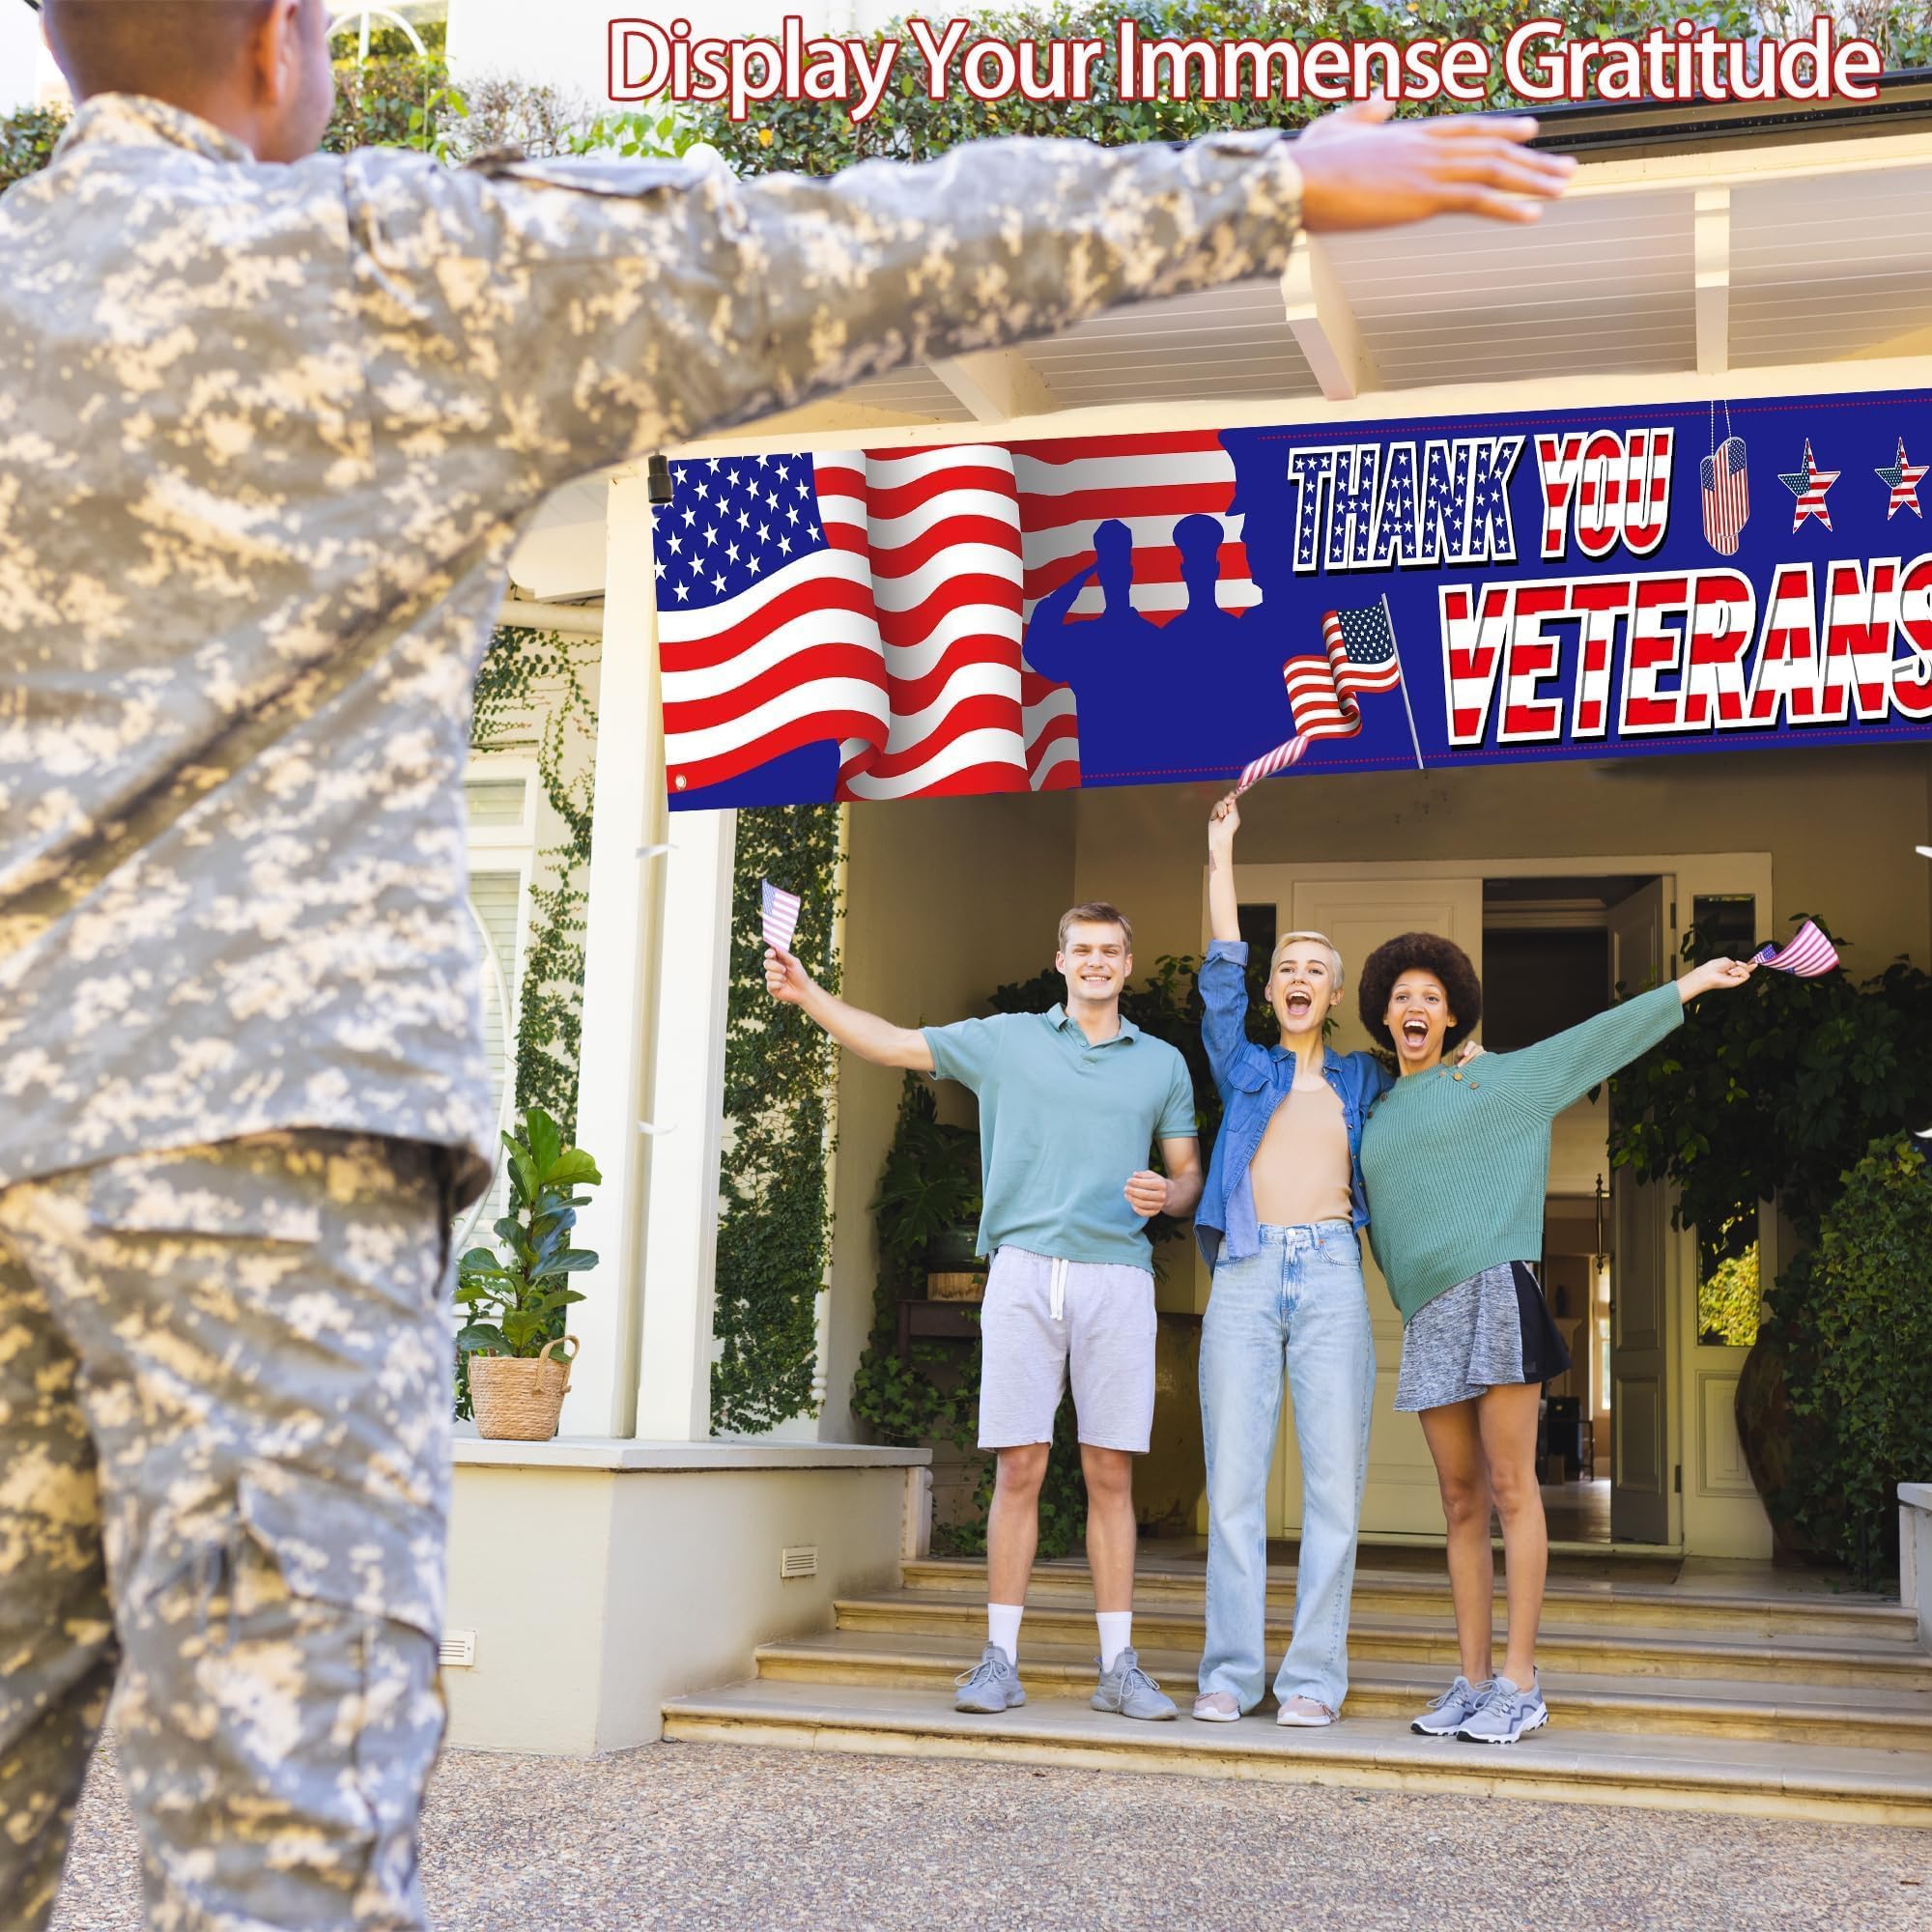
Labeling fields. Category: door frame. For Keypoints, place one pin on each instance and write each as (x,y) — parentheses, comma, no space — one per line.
(1715,1510)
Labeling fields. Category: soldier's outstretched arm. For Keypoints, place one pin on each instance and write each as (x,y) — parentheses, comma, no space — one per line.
(617,307)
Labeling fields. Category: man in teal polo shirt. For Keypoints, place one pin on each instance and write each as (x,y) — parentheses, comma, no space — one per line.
(1069,1103)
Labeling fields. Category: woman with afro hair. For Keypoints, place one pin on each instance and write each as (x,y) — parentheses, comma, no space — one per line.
(1455,1160)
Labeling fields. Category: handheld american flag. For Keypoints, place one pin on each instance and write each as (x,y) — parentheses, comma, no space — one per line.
(1806,953)
(1324,693)
(780,915)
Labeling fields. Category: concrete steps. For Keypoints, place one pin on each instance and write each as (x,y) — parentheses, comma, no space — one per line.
(1669,1772)
(1429,1643)
(1732,1695)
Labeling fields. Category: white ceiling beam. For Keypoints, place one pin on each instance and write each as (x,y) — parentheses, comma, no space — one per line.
(1324,324)
(1711,249)
(995,385)
(573,620)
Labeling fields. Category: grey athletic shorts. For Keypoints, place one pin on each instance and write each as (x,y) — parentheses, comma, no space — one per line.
(1043,1318)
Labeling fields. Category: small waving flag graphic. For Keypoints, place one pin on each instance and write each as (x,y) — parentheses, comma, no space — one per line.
(1324,693)
(781,914)
(1806,955)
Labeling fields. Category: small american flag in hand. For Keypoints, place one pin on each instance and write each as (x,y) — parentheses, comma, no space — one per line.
(1806,953)
(780,915)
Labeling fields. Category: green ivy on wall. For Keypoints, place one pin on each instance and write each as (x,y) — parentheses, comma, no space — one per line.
(537,677)
(775,1228)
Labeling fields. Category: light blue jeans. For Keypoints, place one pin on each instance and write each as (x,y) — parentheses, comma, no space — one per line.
(1299,1300)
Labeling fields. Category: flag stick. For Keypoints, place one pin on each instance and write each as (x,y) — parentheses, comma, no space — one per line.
(1388,617)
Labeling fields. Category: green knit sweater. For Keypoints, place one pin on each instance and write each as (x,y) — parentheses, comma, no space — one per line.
(1457,1163)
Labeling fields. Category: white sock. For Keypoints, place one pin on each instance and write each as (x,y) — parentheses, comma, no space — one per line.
(1003,1628)
(1117,1634)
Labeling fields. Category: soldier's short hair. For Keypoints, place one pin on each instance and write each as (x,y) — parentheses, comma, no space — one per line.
(1096,911)
(139,46)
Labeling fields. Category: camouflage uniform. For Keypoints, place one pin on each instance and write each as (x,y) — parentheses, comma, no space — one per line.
(268,436)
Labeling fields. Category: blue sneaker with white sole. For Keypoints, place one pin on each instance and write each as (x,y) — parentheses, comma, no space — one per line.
(992,1685)
(1447,1714)
(1506,1715)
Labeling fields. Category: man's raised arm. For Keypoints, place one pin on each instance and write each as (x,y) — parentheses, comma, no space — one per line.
(620,308)
(866,1034)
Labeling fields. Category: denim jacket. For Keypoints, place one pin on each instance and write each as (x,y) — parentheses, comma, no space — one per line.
(1254,1081)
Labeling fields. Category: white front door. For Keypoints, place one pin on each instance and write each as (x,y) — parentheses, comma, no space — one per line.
(1358,915)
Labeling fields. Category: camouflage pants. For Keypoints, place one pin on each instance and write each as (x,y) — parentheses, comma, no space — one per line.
(224,1413)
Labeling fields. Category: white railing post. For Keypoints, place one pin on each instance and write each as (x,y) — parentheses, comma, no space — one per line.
(627,837)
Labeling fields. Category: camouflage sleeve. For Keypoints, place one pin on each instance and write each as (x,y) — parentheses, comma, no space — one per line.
(615,307)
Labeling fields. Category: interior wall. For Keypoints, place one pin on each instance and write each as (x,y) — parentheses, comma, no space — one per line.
(946,899)
(1839,824)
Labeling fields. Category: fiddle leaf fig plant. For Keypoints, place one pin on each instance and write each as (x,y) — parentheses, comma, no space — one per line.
(516,1298)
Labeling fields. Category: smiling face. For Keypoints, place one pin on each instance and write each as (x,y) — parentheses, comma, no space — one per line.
(1303,986)
(1095,960)
(1418,1015)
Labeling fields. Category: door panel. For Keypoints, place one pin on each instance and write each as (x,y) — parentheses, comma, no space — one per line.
(1358,915)
(1640,1467)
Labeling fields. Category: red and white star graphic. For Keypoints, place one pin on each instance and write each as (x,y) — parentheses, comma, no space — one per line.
(1902,480)
(1808,485)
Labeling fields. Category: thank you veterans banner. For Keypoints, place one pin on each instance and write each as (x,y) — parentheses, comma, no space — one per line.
(1227,606)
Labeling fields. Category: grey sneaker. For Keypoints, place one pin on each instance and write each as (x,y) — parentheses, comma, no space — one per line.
(991,1684)
(1128,1690)
(1506,1715)
(1447,1714)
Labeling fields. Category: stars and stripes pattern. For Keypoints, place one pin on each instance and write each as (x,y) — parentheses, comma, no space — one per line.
(1324,693)
(871,600)
(1807,954)
(880,600)
(781,910)
(1808,486)
(1726,495)
(1902,479)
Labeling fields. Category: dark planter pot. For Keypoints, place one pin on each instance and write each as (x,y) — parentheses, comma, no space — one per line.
(951,1251)
(1765,1429)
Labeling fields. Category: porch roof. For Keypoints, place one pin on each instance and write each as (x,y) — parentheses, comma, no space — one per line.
(1701,252)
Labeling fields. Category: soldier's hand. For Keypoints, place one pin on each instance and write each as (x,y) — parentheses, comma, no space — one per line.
(1360,169)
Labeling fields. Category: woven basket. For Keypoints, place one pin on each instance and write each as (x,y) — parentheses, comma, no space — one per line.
(518,1400)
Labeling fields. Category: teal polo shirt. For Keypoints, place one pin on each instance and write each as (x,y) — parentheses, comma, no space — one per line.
(1061,1127)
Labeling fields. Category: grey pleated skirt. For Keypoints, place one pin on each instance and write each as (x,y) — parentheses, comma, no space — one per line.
(1487,1332)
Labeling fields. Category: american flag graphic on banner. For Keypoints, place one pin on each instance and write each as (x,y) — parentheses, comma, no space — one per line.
(1806,953)
(1727,494)
(1324,693)
(870,599)
(880,600)
(781,910)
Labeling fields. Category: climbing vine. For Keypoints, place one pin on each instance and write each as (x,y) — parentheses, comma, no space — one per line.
(534,680)
(775,1221)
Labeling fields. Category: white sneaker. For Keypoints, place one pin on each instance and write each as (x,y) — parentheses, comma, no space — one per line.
(1305,1713)
(1217,1706)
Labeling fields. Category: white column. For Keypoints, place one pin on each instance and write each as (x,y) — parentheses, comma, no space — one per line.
(688,1114)
(620,945)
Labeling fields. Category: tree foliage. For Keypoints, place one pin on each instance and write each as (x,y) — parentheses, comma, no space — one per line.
(1856,1318)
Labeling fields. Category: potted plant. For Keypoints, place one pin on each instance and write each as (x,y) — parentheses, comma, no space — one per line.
(516,1301)
(928,1204)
